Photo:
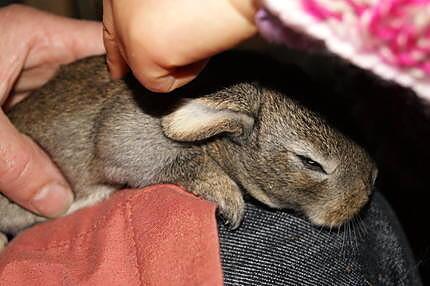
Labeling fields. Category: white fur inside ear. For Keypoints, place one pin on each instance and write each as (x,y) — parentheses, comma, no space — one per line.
(192,116)
(195,121)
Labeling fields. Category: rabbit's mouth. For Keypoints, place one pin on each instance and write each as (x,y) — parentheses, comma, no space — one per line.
(332,219)
(336,213)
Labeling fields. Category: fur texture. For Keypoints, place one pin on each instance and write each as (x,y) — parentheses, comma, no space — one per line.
(217,143)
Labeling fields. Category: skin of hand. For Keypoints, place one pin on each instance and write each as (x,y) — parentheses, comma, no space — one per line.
(166,43)
(33,45)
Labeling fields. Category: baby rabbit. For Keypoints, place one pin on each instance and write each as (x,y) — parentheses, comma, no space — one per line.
(216,142)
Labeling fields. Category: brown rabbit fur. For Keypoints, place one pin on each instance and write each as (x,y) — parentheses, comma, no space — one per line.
(217,142)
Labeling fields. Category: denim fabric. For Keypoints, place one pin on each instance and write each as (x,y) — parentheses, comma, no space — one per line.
(275,247)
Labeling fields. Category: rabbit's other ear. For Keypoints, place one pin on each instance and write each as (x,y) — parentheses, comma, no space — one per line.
(198,120)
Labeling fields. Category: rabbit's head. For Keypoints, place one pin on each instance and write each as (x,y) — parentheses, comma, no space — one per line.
(305,164)
(283,154)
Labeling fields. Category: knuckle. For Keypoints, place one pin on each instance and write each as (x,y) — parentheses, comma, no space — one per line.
(14,168)
(107,34)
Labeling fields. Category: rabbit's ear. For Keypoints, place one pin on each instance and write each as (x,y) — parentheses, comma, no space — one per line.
(197,120)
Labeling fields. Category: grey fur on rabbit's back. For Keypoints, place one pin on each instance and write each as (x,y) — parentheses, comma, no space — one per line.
(241,137)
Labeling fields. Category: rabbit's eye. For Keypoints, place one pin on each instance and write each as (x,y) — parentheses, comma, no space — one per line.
(311,164)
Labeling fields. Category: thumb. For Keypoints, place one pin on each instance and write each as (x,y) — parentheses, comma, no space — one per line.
(27,175)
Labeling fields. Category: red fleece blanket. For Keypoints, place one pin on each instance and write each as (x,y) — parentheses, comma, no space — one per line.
(160,235)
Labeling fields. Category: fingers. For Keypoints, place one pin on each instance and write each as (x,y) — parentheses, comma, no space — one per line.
(85,38)
(185,74)
(28,177)
(34,44)
(165,43)
(34,78)
(117,65)
(158,79)
(60,40)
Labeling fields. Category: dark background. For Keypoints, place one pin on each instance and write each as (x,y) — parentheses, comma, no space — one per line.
(392,123)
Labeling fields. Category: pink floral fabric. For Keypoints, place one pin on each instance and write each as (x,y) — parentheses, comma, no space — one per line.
(391,38)
(398,30)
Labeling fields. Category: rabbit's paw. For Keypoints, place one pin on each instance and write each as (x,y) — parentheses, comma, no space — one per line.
(232,209)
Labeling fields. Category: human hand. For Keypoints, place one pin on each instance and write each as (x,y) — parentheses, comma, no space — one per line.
(33,45)
(166,43)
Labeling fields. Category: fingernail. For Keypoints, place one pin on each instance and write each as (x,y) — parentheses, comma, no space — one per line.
(52,200)
(164,84)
